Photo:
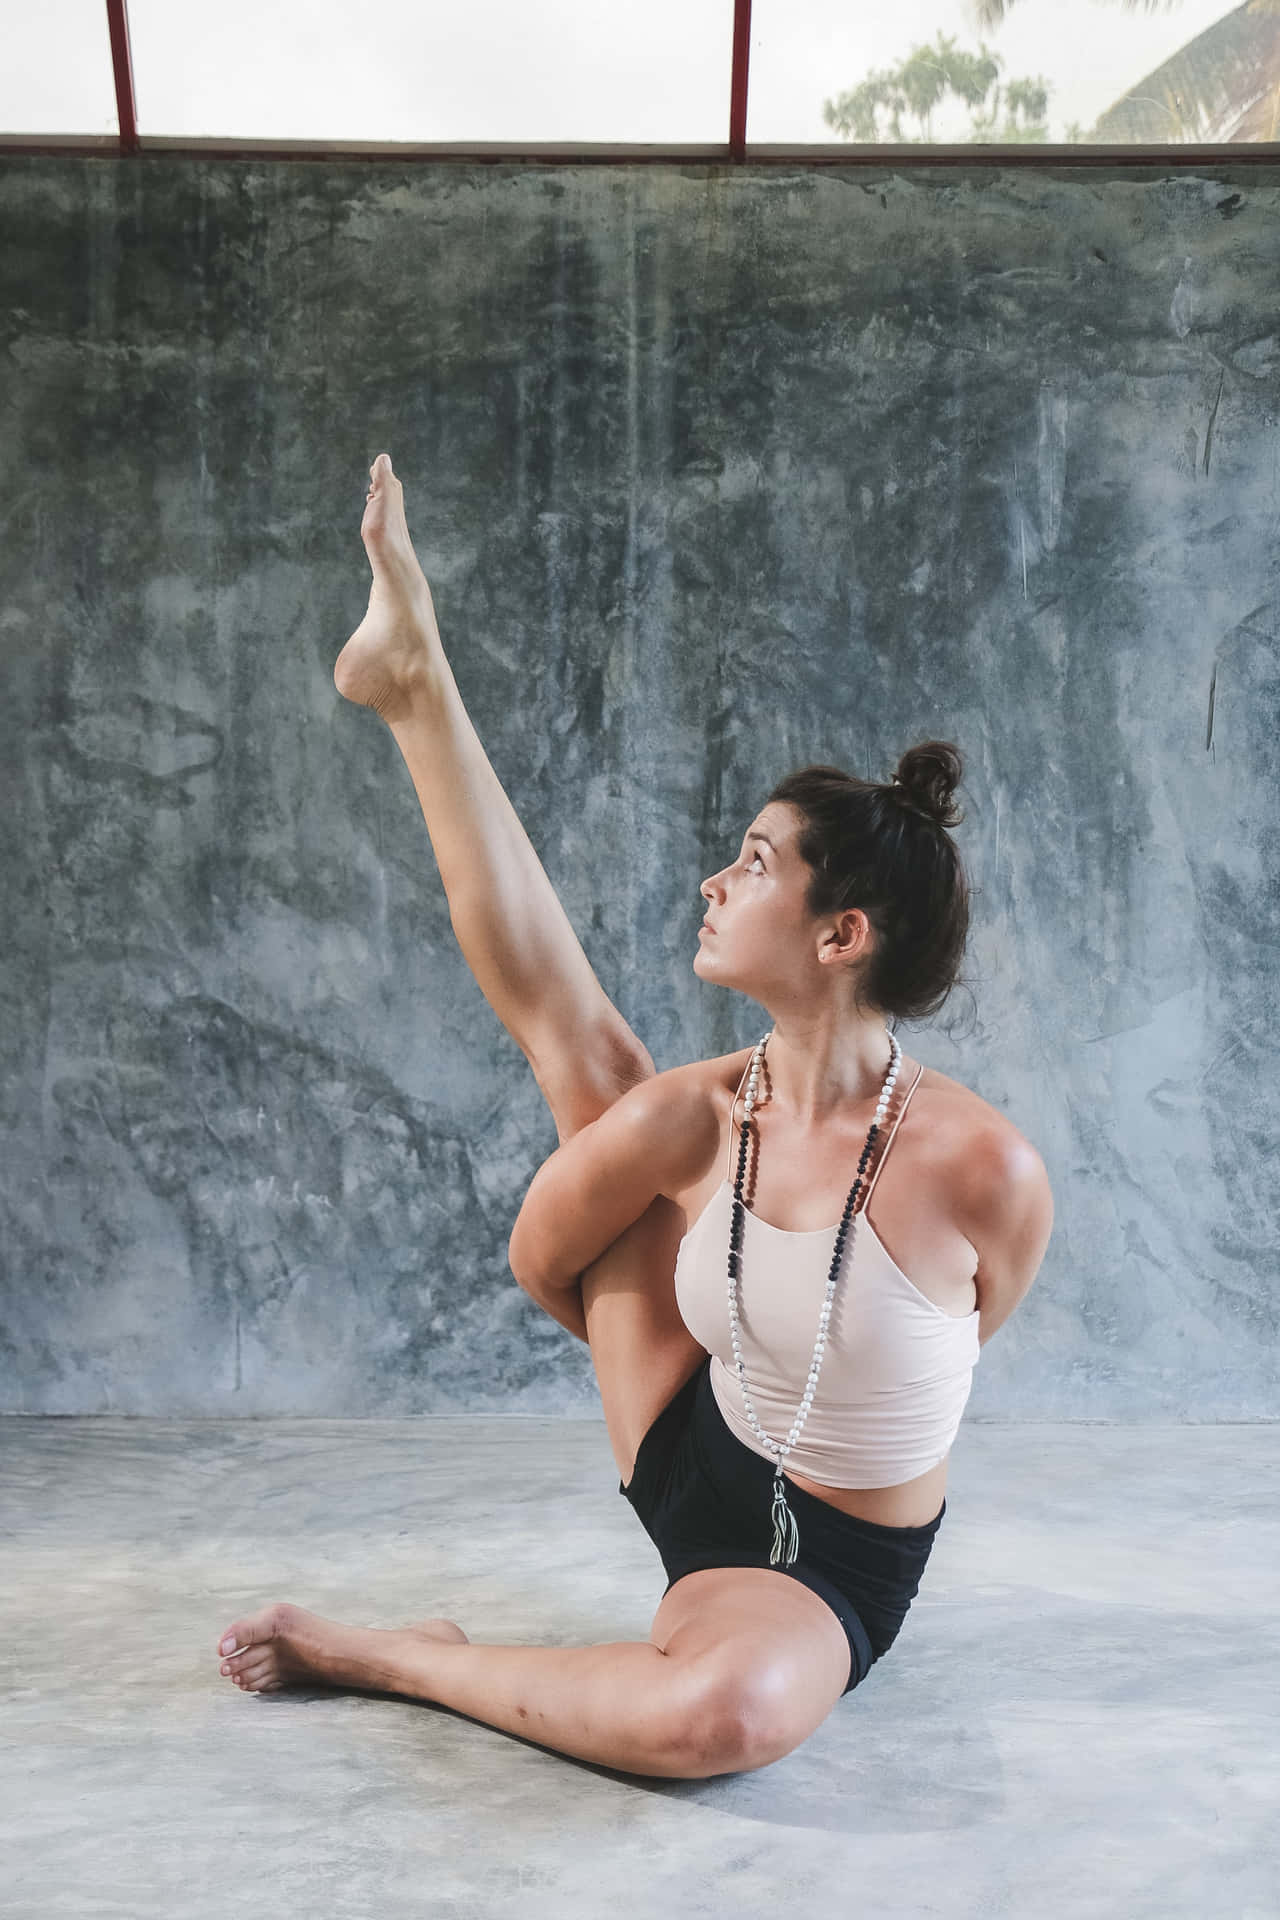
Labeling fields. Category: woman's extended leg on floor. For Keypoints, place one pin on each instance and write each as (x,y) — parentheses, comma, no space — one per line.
(742,1664)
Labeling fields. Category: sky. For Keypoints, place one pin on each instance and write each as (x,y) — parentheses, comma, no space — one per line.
(536,70)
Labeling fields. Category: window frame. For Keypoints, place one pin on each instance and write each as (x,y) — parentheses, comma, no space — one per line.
(737,150)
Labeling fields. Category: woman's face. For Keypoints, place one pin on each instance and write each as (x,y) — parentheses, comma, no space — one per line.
(758,934)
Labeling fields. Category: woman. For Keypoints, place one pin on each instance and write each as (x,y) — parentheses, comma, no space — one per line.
(782,1437)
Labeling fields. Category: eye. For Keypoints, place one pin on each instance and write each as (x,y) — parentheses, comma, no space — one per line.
(755,861)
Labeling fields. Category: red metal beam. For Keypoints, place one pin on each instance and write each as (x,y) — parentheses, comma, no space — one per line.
(122,62)
(738,94)
(1230,156)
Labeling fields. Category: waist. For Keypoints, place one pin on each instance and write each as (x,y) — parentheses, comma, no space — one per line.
(884,1462)
(913,1504)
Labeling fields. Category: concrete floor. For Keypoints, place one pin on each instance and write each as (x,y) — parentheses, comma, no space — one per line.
(1079,1717)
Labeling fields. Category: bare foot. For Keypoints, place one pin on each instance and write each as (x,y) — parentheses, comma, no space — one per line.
(284,1646)
(398,642)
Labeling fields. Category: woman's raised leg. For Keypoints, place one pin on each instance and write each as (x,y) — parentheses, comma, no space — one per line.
(518,942)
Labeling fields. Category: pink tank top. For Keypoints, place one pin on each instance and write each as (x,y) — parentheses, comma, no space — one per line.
(896,1368)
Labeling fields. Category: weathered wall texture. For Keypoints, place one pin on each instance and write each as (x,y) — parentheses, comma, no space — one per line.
(713,473)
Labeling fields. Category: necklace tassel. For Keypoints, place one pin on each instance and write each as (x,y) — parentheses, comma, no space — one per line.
(786,1534)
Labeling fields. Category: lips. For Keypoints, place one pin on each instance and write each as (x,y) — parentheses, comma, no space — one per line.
(706,927)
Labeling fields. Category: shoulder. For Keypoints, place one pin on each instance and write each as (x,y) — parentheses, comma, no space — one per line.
(699,1086)
(677,1116)
(974,1131)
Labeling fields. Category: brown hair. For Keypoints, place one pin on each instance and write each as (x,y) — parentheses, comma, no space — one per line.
(885,848)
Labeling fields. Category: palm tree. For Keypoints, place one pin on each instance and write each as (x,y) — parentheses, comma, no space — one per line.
(917,84)
(1222,86)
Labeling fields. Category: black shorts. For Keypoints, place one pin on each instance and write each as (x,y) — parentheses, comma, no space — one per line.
(706,1500)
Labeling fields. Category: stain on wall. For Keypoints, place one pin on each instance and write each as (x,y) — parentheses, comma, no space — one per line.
(714,472)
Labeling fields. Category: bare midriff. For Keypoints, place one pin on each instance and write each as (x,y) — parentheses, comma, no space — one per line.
(913,1504)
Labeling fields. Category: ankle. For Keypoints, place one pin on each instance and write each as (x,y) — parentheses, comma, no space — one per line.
(424,689)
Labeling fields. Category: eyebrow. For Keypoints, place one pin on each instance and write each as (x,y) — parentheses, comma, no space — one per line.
(753,835)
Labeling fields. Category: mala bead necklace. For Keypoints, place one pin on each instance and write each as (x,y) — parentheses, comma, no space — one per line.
(786,1534)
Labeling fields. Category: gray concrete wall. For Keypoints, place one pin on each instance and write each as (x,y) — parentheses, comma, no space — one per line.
(713,473)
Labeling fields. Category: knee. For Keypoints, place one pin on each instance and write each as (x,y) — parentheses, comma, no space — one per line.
(736,1723)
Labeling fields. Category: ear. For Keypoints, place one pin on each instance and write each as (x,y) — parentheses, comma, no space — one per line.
(846,939)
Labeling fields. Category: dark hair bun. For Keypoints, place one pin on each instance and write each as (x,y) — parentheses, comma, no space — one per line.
(928,776)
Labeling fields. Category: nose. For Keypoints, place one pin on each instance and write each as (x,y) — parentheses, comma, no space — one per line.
(712,888)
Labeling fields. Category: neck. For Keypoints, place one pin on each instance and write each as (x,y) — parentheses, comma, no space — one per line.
(820,1063)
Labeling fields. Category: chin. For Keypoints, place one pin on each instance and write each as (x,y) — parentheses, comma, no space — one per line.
(718,976)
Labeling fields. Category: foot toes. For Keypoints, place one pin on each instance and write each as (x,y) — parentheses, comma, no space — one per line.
(253,1631)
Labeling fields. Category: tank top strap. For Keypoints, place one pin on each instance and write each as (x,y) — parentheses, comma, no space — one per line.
(884,1151)
(728,1171)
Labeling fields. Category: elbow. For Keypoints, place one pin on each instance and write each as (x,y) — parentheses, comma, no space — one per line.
(534,1273)
(518,1258)
(526,1256)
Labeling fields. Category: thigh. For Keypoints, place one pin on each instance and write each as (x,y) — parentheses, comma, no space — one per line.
(641,1349)
(773,1656)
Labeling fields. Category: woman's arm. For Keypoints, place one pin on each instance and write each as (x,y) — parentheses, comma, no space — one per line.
(1007,1213)
(655,1139)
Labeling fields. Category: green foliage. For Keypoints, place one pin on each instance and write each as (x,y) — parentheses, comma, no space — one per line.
(917,84)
